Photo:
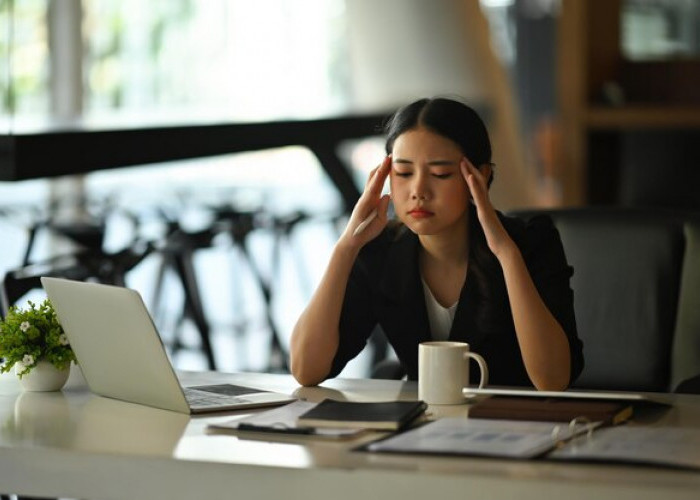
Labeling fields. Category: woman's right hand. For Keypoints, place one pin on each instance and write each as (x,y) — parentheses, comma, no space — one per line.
(316,335)
(370,200)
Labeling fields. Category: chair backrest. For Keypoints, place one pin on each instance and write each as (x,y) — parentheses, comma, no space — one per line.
(686,342)
(19,282)
(628,267)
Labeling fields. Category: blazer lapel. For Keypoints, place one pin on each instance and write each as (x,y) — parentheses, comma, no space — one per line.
(464,326)
(402,290)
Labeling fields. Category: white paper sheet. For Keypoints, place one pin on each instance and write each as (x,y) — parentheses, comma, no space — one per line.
(668,446)
(485,437)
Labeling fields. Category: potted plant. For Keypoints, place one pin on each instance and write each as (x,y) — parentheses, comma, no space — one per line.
(33,341)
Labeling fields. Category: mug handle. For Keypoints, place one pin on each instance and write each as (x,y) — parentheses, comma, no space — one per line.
(482,367)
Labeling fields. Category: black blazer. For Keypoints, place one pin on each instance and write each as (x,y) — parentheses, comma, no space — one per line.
(385,289)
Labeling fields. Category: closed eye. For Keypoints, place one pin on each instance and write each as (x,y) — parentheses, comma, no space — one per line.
(443,176)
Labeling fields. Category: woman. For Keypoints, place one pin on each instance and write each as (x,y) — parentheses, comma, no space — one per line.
(451,267)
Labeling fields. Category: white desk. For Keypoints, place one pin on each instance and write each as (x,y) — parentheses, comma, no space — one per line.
(77,445)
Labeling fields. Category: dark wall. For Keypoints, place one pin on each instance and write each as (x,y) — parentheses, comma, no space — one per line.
(660,168)
(656,168)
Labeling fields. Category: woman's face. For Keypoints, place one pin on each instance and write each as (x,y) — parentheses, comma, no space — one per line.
(428,190)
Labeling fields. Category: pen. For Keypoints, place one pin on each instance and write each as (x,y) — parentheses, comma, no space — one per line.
(244,426)
(361,227)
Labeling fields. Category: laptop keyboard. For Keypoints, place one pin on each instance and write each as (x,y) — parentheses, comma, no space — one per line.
(213,395)
(226,389)
(197,398)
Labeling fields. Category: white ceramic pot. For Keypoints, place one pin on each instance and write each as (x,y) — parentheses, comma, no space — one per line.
(44,377)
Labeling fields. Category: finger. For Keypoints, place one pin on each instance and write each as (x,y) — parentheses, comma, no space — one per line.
(464,165)
(478,192)
(370,176)
(476,183)
(383,208)
(375,221)
(479,189)
(468,168)
(379,175)
(373,189)
(382,211)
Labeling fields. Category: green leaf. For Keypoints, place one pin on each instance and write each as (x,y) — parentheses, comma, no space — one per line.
(36,332)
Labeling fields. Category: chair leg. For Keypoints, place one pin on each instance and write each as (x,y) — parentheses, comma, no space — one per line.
(193,303)
(166,262)
(278,356)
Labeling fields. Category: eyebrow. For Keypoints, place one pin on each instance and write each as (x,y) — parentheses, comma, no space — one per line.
(432,163)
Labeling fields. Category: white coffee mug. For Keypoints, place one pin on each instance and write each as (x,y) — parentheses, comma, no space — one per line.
(443,371)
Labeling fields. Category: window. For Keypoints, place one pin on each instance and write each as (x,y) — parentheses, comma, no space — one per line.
(180,59)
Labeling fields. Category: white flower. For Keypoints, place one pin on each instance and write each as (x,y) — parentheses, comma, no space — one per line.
(24,326)
(62,339)
(20,367)
(28,360)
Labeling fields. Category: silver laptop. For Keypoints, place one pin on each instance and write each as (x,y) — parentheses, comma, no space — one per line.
(122,356)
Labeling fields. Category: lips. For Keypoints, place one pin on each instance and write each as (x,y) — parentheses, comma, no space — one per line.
(420,213)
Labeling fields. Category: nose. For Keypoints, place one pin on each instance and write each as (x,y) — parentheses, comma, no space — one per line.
(419,187)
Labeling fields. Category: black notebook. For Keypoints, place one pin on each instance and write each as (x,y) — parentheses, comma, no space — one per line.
(391,415)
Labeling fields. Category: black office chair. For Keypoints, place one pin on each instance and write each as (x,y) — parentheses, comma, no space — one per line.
(686,341)
(689,386)
(630,276)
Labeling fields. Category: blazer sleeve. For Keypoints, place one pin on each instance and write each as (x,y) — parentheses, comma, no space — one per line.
(551,273)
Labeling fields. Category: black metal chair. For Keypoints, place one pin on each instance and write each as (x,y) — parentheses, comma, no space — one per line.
(177,251)
(110,268)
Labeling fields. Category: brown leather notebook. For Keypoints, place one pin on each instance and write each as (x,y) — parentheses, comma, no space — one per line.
(551,409)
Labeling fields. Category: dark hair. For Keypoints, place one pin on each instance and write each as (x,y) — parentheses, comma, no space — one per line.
(446,117)
(458,122)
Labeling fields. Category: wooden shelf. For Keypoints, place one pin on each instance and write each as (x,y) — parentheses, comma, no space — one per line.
(641,117)
(661,103)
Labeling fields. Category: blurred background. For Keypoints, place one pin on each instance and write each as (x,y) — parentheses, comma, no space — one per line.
(225,231)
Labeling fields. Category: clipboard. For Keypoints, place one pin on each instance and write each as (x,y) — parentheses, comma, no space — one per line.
(629,397)
(671,447)
(552,409)
(516,439)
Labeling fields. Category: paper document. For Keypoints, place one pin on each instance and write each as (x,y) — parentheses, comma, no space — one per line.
(496,438)
(669,446)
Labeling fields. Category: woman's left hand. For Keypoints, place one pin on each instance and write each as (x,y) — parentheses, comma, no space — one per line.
(497,238)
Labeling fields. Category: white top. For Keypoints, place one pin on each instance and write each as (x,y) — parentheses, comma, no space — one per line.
(440,317)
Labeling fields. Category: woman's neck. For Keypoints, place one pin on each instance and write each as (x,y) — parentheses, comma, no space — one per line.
(448,247)
(444,260)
